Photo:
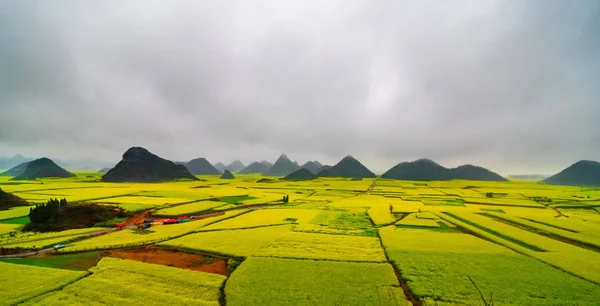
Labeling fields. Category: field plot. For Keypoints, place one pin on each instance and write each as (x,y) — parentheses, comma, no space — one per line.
(189,209)
(265,217)
(581,262)
(236,243)
(32,240)
(151,201)
(590,237)
(129,238)
(436,265)
(425,219)
(77,262)
(14,213)
(271,281)
(7,228)
(323,246)
(407,206)
(118,281)
(26,282)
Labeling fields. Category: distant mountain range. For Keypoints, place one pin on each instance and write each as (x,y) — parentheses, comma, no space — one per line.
(201,166)
(428,170)
(282,167)
(312,166)
(255,167)
(77,164)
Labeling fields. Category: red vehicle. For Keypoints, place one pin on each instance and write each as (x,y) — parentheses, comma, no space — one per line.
(170,221)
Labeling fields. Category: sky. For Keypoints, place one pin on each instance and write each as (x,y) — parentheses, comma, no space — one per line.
(510,85)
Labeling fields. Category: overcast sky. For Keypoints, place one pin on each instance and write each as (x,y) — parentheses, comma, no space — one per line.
(513,86)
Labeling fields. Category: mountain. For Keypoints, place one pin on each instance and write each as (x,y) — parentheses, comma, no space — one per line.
(201,166)
(14,171)
(139,165)
(266,163)
(220,166)
(324,167)
(474,173)
(283,166)
(428,170)
(103,170)
(255,167)
(10,162)
(347,167)
(40,168)
(581,173)
(235,166)
(312,166)
(227,175)
(301,174)
(8,200)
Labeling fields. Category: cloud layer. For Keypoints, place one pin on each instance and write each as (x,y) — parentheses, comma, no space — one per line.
(510,85)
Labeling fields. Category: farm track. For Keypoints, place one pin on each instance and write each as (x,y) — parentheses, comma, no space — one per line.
(414,300)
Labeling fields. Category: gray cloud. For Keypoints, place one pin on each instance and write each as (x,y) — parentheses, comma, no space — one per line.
(510,85)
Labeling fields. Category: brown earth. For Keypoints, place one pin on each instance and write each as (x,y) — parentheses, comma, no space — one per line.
(182,260)
(8,200)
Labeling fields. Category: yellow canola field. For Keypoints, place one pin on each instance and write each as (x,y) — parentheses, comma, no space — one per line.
(118,281)
(237,243)
(323,246)
(133,237)
(262,217)
(20,282)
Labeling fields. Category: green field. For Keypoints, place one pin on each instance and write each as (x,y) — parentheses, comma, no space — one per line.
(332,244)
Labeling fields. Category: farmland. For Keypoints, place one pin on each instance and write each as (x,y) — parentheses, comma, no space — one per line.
(335,242)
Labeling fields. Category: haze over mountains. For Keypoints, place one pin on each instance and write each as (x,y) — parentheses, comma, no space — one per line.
(139,164)
(282,167)
(201,166)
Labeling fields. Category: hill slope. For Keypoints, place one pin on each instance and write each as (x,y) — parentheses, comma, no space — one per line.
(41,168)
(139,165)
(10,162)
(283,166)
(16,170)
(301,174)
(312,166)
(201,166)
(474,173)
(235,166)
(581,173)
(255,167)
(227,175)
(8,200)
(428,170)
(347,167)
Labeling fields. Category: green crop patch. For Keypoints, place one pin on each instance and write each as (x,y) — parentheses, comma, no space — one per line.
(26,282)
(77,262)
(436,265)
(323,246)
(270,281)
(117,281)
(236,243)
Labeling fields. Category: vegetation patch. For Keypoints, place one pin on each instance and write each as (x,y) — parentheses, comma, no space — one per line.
(271,281)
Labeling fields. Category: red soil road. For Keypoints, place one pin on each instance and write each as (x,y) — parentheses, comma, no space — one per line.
(182,260)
